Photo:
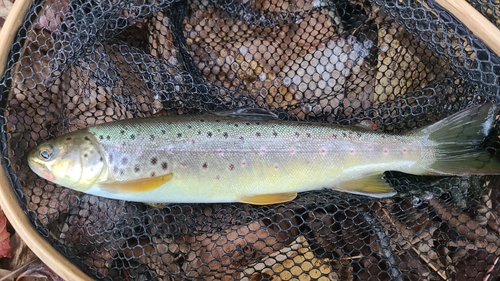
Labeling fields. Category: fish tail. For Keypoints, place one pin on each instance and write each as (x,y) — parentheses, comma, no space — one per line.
(456,141)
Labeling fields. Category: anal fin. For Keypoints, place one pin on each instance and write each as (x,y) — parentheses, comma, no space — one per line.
(267,199)
(373,186)
(136,186)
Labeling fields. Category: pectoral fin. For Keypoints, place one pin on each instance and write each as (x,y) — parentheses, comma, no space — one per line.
(136,186)
(267,199)
(373,186)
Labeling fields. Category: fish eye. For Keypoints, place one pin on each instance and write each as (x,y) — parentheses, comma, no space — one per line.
(46,153)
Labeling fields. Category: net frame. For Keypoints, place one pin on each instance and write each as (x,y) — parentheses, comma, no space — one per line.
(8,199)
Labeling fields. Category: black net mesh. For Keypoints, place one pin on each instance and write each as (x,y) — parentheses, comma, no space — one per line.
(401,64)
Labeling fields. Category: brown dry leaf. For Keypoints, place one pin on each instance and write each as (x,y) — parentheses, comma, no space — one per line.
(5,248)
(39,270)
(5,7)
(21,253)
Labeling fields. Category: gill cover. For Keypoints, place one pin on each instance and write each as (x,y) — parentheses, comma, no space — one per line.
(72,160)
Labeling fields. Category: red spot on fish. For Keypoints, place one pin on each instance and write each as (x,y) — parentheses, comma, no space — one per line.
(117,147)
(183,164)
(169,150)
(243,163)
(220,151)
(322,151)
(351,151)
(308,162)
(276,166)
(369,147)
(385,151)
(139,152)
(292,151)
(263,150)
(405,150)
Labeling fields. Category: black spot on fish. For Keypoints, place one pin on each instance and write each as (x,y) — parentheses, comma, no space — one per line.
(308,135)
(231,167)
(242,139)
(204,165)
(121,172)
(189,126)
(115,169)
(257,123)
(358,135)
(209,134)
(217,121)
(164,165)
(86,138)
(344,135)
(154,160)
(100,159)
(199,132)
(201,120)
(153,174)
(137,168)
(225,135)
(163,131)
(275,134)
(179,135)
(122,132)
(110,158)
(247,123)
(334,136)
(297,134)
(132,136)
(101,137)
(85,155)
(151,137)
(258,134)
(124,161)
(68,138)
(108,137)
(236,124)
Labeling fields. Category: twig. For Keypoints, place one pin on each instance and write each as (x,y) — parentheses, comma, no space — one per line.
(385,247)
(16,272)
(429,263)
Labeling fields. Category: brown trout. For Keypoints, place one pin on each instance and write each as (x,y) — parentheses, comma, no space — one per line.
(246,156)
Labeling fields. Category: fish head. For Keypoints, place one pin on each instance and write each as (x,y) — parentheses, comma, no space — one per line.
(73,161)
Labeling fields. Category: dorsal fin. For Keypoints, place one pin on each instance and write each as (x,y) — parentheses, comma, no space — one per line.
(248,114)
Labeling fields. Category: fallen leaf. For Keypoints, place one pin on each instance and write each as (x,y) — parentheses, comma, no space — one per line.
(39,270)
(5,249)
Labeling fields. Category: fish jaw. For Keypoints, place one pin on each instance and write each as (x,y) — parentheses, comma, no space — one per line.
(41,169)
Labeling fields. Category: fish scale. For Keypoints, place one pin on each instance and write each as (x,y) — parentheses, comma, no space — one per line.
(249,158)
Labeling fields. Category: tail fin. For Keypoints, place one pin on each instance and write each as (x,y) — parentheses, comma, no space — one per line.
(456,140)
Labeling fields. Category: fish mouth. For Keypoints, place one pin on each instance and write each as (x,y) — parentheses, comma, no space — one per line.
(41,170)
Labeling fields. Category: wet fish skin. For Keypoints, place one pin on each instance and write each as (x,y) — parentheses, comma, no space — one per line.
(210,158)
